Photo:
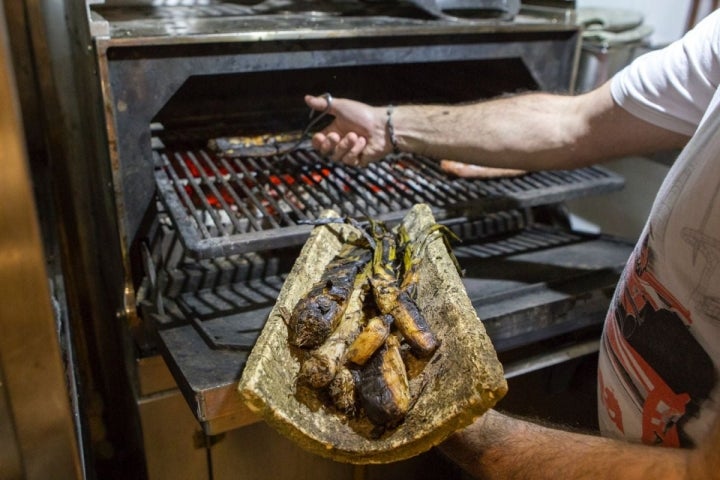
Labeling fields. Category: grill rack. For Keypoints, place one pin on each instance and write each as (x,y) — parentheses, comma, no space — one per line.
(223,206)
(229,311)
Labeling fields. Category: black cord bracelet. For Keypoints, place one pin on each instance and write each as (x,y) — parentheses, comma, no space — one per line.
(391,130)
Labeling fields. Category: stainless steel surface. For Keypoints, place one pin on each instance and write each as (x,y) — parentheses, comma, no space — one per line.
(167,420)
(81,213)
(30,357)
(612,38)
(170,434)
(257,452)
(475,9)
(291,20)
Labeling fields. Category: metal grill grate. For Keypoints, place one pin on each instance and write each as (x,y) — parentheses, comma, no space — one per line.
(231,314)
(223,206)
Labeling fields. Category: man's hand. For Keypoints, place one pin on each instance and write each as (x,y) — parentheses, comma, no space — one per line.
(356,137)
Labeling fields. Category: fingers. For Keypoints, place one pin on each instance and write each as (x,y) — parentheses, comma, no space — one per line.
(324,143)
(355,155)
(347,149)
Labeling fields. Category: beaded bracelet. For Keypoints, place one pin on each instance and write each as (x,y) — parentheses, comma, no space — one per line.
(391,130)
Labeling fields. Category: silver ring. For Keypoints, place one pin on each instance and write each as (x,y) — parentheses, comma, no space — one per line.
(328,99)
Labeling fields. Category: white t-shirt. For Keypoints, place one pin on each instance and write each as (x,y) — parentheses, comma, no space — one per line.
(660,351)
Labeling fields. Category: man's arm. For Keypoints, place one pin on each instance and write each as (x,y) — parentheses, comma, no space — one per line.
(499,447)
(530,132)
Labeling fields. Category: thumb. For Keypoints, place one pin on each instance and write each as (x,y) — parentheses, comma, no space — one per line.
(316,103)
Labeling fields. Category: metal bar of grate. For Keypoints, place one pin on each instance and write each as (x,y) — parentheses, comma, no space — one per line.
(263,198)
(228,205)
(386,182)
(446,188)
(407,175)
(199,182)
(180,191)
(381,189)
(233,195)
(531,238)
(239,180)
(292,187)
(360,197)
(210,184)
(313,175)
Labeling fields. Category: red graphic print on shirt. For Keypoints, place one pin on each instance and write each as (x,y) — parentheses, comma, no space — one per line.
(658,362)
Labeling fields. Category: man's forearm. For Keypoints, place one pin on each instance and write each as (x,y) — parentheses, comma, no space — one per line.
(508,132)
(501,447)
(531,131)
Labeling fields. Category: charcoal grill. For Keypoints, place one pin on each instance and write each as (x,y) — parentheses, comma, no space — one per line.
(192,246)
(224,206)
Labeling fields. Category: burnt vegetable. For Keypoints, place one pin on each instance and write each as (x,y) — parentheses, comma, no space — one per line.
(342,391)
(383,387)
(409,320)
(355,321)
(391,300)
(318,313)
(374,334)
(320,367)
